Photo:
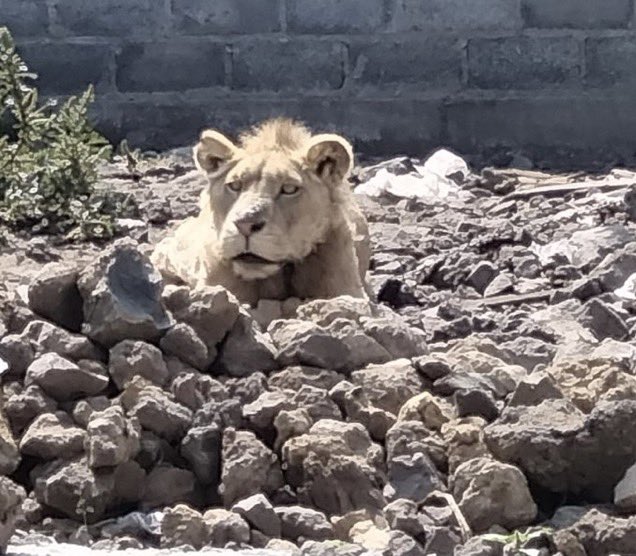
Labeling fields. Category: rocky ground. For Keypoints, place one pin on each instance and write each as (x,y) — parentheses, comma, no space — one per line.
(483,404)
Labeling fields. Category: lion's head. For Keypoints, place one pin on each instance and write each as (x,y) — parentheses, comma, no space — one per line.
(274,195)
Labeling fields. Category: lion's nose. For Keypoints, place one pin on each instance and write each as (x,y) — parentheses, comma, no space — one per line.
(249,225)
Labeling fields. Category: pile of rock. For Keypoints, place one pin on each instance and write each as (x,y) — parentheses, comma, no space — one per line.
(136,415)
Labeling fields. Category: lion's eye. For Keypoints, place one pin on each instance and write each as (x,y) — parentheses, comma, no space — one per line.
(234,186)
(289,189)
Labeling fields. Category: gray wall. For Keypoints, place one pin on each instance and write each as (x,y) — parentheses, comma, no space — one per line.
(554,79)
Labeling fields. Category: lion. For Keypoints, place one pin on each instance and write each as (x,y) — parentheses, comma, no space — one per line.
(277,220)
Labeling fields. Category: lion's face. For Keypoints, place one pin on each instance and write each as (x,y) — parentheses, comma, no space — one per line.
(271,206)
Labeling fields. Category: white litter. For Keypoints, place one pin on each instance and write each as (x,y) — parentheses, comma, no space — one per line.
(435,179)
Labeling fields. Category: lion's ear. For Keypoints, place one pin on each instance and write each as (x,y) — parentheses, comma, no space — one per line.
(330,156)
(213,150)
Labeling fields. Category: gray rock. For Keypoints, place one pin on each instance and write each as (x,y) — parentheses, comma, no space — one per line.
(53,294)
(304,343)
(403,544)
(331,548)
(603,320)
(194,389)
(260,514)
(479,546)
(53,436)
(402,514)
(481,275)
(476,402)
(24,406)
(11,498)
(224,527)
(122,297)
(201,447)
(17,353)
(247,350)
(412,477)
(431,367)
(317,403)
(131,358)
(262,411)
(166,486)
(155,410)
(409,437)
(534,389)
(396,336)
(83,409)
(390,385)
(62,379)
(441,540)
(249,467)
(492,493)
(299,522)
(625,490)
(182,525)
(359,410)
(111,438)
(226,413)
(9,454)
(182,342)
(363,350)
(293,378)
(46,337)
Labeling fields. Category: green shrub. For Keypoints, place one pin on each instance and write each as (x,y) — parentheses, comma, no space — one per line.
(49,158)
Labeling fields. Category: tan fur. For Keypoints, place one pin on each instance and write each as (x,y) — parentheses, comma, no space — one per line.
(316,238)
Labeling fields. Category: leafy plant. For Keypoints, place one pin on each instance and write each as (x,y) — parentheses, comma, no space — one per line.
(48,157)
(515,544)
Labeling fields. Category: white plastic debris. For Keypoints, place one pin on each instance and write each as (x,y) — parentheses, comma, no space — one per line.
(436,179)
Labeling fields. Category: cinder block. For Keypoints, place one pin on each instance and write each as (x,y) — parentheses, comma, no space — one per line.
(611,62)
(200,17)
(414,127)
(445,15)
(288,65)
(523,62)
(24,17)
(107,18)
(336,16)
(65,68)
(577,14)
(426,63)
(176,65)
(575,122)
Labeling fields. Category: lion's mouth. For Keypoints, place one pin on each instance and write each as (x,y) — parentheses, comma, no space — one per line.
(251,258)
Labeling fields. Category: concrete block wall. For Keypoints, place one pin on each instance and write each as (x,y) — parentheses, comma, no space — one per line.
(554,80)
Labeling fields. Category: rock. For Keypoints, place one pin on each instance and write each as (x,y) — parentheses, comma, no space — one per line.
(122,297)
(210,311)
(226,413)
(11,498)
(335,467)
(441,540)
(363,350)
(17,354)
(46,337)
(324,312)
(431,367)
(111,438)
(53,294)
(246,389)
(342,524)
(62,379)
(371,537)
(331,548)
(359,410)
(75,490)
(389,386)
(291,423)
(603,320)
(303,343)
(193,389)
(534,389)
(500,285)
(492,493)
(260,514)
(625,491)
(293,378)
(412,477)
(481,275)
(249,467)
(464,440)
(401,543)
(479,546)
(155,410)
(131,358)
(183,525)
(288,547)
(431,411)
(201,447)
(298,522)
(25,405)
(223,527)
(53,436)
(262,411)
(166,486)
(317,403)
(402,514)
(601,533)
(83,409)
(586,383)
(409,437)
(182,342)
(247,350)
(394,335)
(531,438)
(476,402)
